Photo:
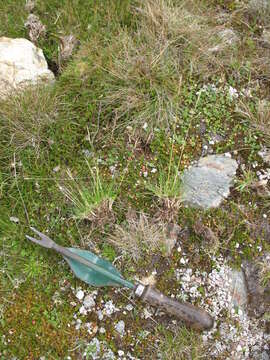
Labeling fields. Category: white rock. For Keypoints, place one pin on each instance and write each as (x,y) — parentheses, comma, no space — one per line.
(83,310)
(129,307)
(102,330)
(89,302)
(80,295)
(21,64)
(120,327)
(14,219)
(110,308)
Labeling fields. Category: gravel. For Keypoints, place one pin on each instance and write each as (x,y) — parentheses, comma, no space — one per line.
(234,334)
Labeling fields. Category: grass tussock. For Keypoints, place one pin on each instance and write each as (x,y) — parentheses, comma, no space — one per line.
(168,190)
(94,202)
(264,272)
(140,73)
(139,237)
(258,117)
(24,117)
(184,344)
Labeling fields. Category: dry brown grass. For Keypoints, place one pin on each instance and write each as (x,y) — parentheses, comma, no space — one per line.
(139,236)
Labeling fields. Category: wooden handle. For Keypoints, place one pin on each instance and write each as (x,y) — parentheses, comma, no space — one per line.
(194,317)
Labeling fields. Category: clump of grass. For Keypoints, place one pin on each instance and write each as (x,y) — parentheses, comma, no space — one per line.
(258,117)
(168,185)
(140,72)
(182,345)
(264,273)
(167,190)
(93,202)
(258,10)
(139,237)
(244,184)
(25,116)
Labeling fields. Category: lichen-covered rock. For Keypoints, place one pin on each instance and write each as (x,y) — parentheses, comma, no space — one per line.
(206,184)
(21,64)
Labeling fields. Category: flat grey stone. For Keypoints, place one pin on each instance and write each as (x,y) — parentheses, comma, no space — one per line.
(238,288)
(207,183)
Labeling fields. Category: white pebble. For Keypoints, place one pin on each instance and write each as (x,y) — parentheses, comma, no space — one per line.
(89,302)
(80,295)
(120,327)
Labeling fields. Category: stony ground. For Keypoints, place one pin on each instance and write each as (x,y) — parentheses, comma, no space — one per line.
(152,149)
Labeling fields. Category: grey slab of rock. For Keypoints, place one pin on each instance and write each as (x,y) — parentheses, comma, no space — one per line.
(238,288)
(207,183)
(21,64)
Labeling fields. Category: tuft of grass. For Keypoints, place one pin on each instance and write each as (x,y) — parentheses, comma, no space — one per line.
(247,180)
(93,202)
(167,190)
(168,185)
(139,73)
(25,116)
(264,273)
(182,345)
(139,237)
(258,116)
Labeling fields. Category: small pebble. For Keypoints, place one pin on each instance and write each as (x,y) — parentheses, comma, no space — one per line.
(89,302)
(80,295)
(120,327)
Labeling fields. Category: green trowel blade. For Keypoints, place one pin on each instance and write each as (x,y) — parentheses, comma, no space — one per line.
(91,276)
